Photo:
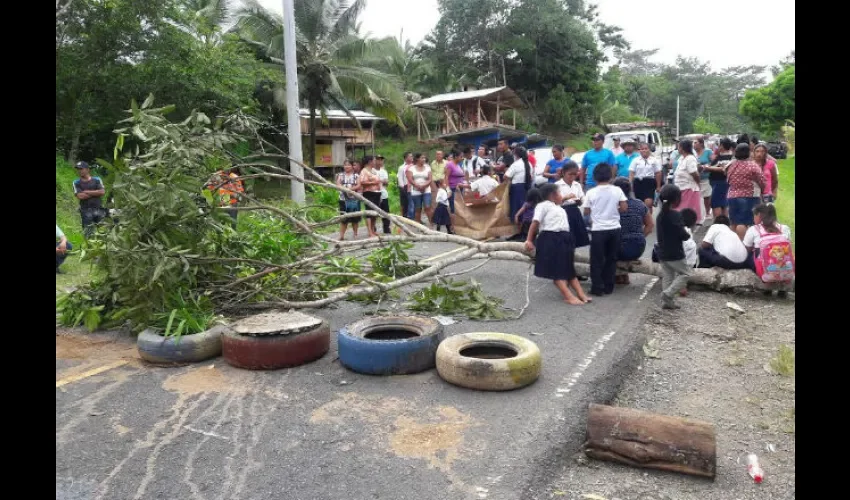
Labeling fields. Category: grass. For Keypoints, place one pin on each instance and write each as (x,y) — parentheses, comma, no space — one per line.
(783,363)
(785,201)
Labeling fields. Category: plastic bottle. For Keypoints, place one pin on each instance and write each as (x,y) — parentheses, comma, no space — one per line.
(754,469)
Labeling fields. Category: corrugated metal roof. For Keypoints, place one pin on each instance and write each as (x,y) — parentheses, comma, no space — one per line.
(507,95)
(338,114)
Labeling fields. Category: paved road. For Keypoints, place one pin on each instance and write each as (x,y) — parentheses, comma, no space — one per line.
(209,431)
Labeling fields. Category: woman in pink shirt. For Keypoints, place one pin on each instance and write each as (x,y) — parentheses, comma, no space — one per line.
(768,168)
(456,176)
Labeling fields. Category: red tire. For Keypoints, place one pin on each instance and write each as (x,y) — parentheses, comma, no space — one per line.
(275,351)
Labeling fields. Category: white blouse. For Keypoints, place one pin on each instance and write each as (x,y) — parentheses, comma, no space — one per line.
(442,197)
(645,168)
(551,217)
(683,178)
(516,172)
(575,189)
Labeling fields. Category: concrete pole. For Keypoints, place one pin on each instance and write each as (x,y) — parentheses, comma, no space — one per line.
(293,118)
(677,116)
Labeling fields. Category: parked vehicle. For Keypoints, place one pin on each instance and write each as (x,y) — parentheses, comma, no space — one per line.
(777,149)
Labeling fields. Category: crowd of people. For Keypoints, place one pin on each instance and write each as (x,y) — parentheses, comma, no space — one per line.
(606,203)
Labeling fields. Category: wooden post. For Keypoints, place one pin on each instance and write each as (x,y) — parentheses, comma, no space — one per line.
(418,125)
(498,108)
(480,117)
(643,439)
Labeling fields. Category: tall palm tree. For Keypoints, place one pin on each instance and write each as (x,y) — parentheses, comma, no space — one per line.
(206,18)
(332,58)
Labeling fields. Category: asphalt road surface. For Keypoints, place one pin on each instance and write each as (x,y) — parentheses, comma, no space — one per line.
(126,430)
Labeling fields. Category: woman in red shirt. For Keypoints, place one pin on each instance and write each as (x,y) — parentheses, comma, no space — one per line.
(743,175)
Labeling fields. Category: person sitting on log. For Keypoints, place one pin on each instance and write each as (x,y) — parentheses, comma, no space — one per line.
(722,248)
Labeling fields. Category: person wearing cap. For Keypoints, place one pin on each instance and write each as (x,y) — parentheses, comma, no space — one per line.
(617,150)
(597,155)
(624,160)
(89,190)
(63,246)
(385,196)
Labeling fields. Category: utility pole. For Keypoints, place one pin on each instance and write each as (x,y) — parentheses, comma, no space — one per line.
(677,117)
(293,117)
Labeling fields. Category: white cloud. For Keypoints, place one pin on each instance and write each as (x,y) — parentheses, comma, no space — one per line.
(723,32)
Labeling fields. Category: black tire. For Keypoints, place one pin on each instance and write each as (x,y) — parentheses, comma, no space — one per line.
(155,348)
(393,356)
(503,374)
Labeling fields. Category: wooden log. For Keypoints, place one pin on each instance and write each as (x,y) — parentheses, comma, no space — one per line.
(648,440)
(715,278)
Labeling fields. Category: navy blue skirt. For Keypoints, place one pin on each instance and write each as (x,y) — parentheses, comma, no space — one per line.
(578,227)
(644,189)
(517,196)
(442,217)
(554,259)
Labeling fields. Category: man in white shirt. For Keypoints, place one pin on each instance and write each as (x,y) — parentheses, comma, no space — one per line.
(471,164)
(721,247)
(403,196)
(385,197)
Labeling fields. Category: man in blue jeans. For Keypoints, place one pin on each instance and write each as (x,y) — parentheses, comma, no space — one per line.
(62,248)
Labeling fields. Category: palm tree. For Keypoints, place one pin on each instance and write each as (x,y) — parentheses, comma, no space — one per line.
(332,58)
(206,18)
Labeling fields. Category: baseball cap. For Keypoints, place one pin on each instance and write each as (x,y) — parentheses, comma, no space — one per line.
(629,140)
(598,137)
(81,164)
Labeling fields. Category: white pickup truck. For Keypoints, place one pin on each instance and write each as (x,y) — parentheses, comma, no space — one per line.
(649,136)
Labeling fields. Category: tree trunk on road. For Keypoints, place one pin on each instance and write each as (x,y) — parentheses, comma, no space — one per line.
(649,440)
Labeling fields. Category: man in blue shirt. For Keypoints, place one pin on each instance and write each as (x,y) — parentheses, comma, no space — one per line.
(624,159)
(594,157)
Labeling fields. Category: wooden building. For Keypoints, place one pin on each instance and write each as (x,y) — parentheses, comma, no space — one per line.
(338,136)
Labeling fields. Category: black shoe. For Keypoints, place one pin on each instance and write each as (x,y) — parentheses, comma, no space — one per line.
(582,278)
(670,305)
(598,293)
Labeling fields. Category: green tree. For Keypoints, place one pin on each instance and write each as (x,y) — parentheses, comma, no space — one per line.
(703,126)
(768,108)
(108,53)
(331,58)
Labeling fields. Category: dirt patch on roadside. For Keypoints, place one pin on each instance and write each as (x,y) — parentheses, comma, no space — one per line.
(203,379)
(437,442)
(90,351)
(709,363)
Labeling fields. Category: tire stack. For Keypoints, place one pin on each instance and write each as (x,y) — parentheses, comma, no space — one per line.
(275,340)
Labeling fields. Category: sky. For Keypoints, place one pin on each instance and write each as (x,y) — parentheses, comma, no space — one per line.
(690,29)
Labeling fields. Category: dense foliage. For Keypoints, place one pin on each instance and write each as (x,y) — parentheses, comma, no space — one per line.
(769,107)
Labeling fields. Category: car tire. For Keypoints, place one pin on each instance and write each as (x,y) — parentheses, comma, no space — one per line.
(155,348)
(502,374)
(390,356)
(271,352)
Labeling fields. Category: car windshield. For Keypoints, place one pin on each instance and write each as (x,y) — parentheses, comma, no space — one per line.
(609,141)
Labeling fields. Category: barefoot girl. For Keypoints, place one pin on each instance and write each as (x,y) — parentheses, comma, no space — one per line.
(555,250)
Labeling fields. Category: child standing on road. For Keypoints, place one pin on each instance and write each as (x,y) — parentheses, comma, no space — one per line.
(555,250)
(604,205)
(671,234)
(442,217)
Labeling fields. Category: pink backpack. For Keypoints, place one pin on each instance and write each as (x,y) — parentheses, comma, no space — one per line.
(775,263)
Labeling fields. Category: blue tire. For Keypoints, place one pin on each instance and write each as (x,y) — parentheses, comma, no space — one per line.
(373,345)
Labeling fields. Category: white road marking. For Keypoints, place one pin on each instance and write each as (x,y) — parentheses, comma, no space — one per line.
(205,433)
(572,379)
(648,287)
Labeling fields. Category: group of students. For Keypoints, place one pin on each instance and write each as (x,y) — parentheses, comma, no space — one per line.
(619,213)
